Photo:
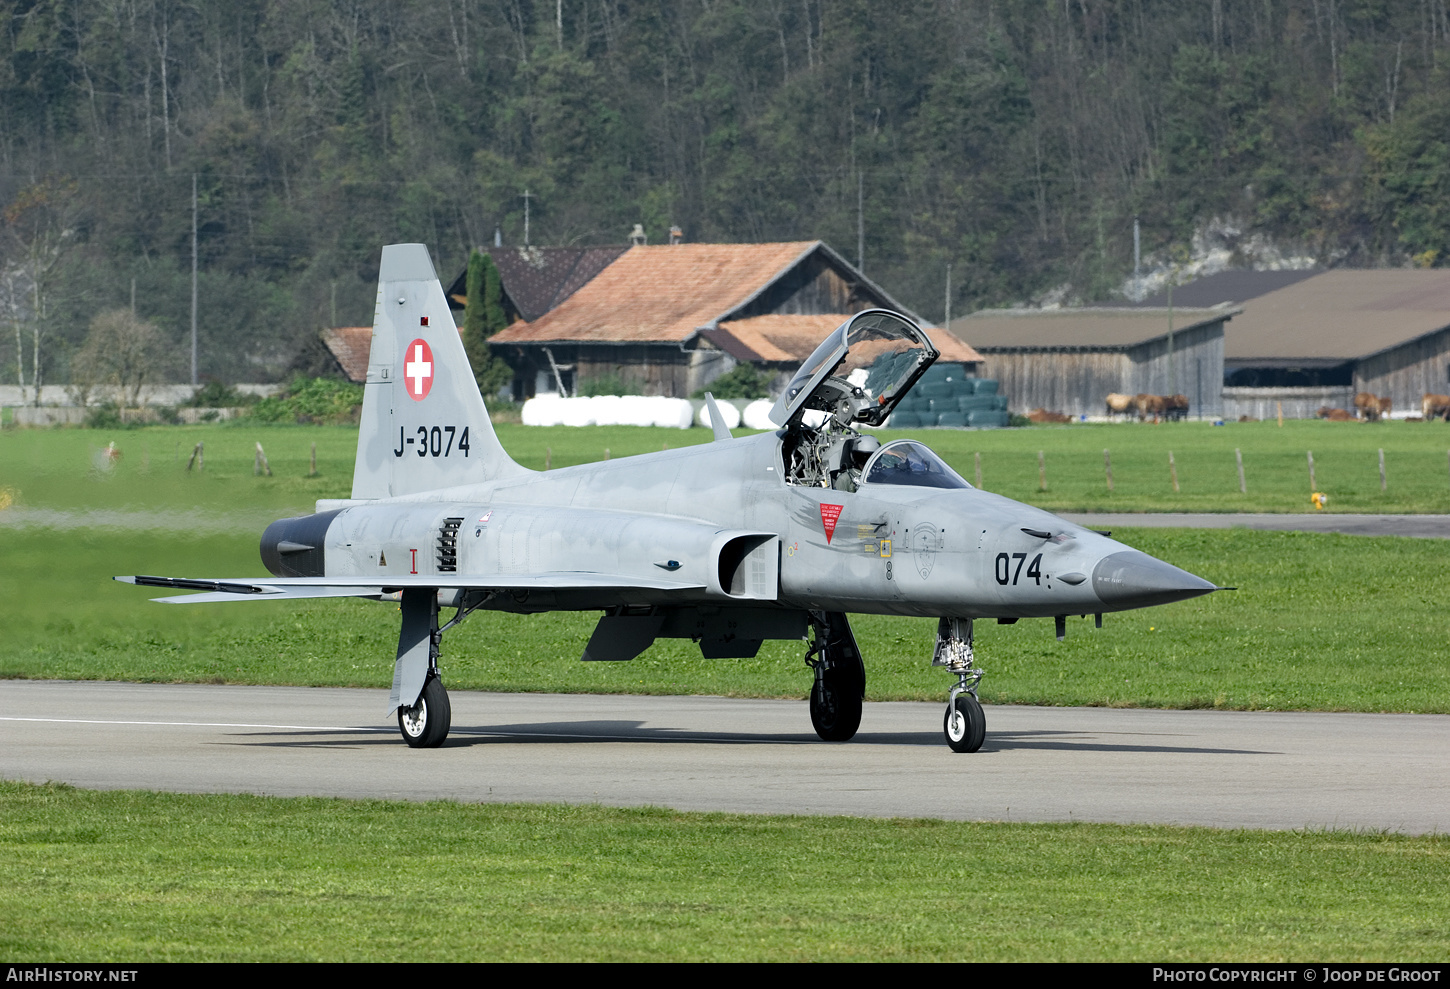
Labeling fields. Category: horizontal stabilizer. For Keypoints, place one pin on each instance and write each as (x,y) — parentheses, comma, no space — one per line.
(278,588)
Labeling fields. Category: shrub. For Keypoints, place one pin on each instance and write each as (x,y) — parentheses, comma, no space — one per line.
(325,401)
(742,381)
(216,395)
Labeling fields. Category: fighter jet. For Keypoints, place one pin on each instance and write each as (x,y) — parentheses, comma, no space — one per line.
(776,535)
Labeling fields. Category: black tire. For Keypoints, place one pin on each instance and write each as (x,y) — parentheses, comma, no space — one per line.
(836,704)
(425,724)
(968,729)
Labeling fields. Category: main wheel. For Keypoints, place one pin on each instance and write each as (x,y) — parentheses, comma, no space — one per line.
(965,725)
(425,724)
(836,705)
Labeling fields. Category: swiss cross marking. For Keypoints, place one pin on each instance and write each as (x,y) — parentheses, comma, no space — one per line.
(418,369)
(829,515)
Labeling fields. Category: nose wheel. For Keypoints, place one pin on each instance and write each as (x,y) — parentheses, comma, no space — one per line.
(965,725)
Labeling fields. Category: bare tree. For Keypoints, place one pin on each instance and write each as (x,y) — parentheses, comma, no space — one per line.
(122,350)
(40,226)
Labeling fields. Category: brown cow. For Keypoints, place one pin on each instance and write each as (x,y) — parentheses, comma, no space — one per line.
(1436,406)
(1042,415)
(1372,407)
(1120,405)
(1153,405)
(1175,406)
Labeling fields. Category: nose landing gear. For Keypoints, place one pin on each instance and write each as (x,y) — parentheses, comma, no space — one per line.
(965,725)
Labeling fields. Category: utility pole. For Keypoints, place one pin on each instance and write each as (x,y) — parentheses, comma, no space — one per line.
(1172,373)
(527,196)
(948,324)
(860,224)
(193,280)
(1137,262)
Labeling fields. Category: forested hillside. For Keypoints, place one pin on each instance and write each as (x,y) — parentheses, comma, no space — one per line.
(1013,139)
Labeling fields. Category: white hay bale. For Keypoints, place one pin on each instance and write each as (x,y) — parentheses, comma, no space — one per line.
(757,414)
(543,410)
(673,413)
(607,409)
(578,412)
(728,412)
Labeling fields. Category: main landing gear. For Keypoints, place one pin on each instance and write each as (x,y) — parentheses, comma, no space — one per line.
(424,714)
(965,726)
(840,683)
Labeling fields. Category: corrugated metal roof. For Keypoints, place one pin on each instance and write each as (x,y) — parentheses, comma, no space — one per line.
(662,293)
(1225,287)
(1077,329)
(1342,314)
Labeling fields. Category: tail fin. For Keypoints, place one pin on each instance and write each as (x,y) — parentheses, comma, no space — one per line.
(424,425)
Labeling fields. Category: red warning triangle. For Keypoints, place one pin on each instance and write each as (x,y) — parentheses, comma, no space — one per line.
(829,515)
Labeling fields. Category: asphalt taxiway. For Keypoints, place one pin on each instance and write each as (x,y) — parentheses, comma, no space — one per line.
(1224,769)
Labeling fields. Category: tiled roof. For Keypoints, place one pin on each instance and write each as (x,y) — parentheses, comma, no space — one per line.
(536,279)
(662,294)
(791,338)
(350,345)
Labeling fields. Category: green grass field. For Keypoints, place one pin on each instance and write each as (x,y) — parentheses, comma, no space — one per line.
(154,877)
(57,467)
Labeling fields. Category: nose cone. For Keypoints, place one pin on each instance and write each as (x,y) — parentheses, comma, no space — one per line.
(1131,579)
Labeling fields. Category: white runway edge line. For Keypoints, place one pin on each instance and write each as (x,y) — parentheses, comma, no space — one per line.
(188,724)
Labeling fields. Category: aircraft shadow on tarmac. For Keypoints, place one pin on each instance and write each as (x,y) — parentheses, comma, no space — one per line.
(616,731)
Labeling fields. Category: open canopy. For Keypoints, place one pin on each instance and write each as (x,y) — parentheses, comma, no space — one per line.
(860,371)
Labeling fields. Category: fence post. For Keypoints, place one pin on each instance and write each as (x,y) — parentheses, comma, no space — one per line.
(1313,485)
(1383,485)
(1173,471)
(260,465)
(1041,472)
(1108,467)
(979,469)
(313,471)
(1243,488)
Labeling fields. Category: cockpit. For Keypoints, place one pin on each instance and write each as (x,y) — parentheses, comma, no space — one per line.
(908,462)
(856,376)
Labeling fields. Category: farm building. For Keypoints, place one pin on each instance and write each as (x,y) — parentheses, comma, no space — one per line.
(1314,338)
(1321,340)
(1070,360)
(667,320)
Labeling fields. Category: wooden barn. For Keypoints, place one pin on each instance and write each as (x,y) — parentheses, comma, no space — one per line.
(1325,338)
(1070,360)
(669,319)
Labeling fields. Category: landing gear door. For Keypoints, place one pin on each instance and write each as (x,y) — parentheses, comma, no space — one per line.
(860,371)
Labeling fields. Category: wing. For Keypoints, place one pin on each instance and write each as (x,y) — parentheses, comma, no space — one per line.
(290,588)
